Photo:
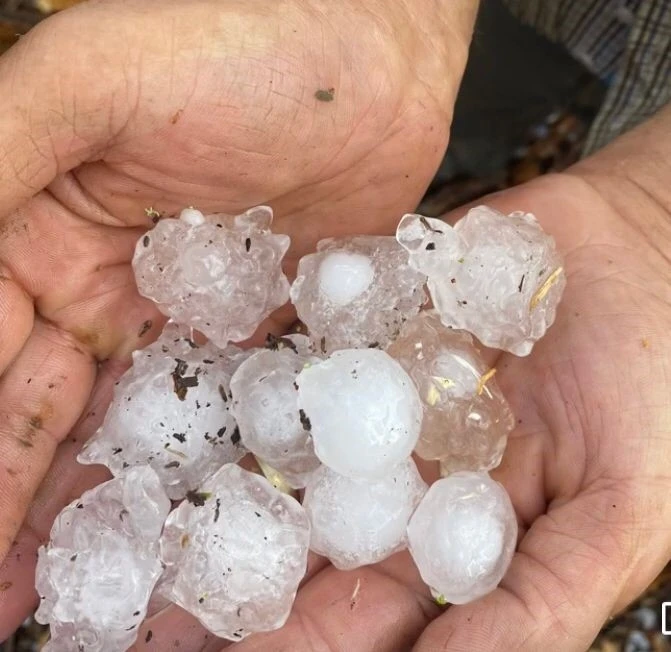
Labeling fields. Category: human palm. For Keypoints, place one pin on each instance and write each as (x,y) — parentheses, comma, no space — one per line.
(334,116)
(586,463)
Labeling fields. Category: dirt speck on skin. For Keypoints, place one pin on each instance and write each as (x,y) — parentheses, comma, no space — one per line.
(144,329)
(325,95)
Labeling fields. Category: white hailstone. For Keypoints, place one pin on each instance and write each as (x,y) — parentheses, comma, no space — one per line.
(466,417)
(462,536)
(357,522)
(97,572)
(265,406)
(235,553)
(171,411)
(364,411)
(497,276)
(220,274)
(356,292)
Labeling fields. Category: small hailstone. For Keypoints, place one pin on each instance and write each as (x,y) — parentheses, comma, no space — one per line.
(265,406)
(235,553)
(97,572)
(219,274)
(356,292)
(357,522)
(171,410)
(466,418)
(462,536)
(364,412)
(497,276)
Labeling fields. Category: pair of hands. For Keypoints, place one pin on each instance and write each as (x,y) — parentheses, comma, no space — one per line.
(116,106)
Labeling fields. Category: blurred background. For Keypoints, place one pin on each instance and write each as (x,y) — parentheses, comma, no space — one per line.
(525,108)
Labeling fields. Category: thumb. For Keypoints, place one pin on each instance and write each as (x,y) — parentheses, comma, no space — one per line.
(563,584)
(56,109)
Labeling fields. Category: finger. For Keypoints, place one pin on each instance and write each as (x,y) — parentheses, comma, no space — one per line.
(561,587)
(42,395)
(174,628)
(81,276)
(65,481)
(46,129)
(16,318)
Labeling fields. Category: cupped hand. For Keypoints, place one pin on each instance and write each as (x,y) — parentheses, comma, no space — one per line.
(587,465)
(336,115)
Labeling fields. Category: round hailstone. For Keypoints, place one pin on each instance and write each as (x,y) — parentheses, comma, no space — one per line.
(497,276)
(220,274)
(171,411)
(235,553)
(364,412)
(462,536)
(343,276)
(466,418)
(97,572)
(357,522)
(265,406)
(356,292)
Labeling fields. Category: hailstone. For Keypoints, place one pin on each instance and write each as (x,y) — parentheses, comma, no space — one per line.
(466,418)
(462,536)
(171,410)
(235,552)
(97,572)
(265,406)
(497,276)
(364,411)
(356,292)
(357,522)
(220,274)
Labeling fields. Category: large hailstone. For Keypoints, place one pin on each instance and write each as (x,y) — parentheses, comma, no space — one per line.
(497,276)
(356,292)
(466,417)
(220,274)
(235,553)
(97,572)
(171,410)
(364,411)
(462,536)
(265,406)
(357,522)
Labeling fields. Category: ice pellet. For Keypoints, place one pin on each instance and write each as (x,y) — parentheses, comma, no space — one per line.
(356,292)
(364,411)
(466,418)
(265,406)
(97,572)
(357,522)
(219,274)
(235,553)
(462,536)
(497,276)
(171,411)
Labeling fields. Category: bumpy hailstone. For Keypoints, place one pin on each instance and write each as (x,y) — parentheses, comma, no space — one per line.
(497,276)
(357,522)
(462,536)
(235,554)
(220,274)
(265,406)
(364,412)
(466,418)
(171,410)
(356,292)
(97,572)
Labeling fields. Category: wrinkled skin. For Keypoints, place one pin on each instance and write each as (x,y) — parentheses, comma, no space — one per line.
(215,107)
